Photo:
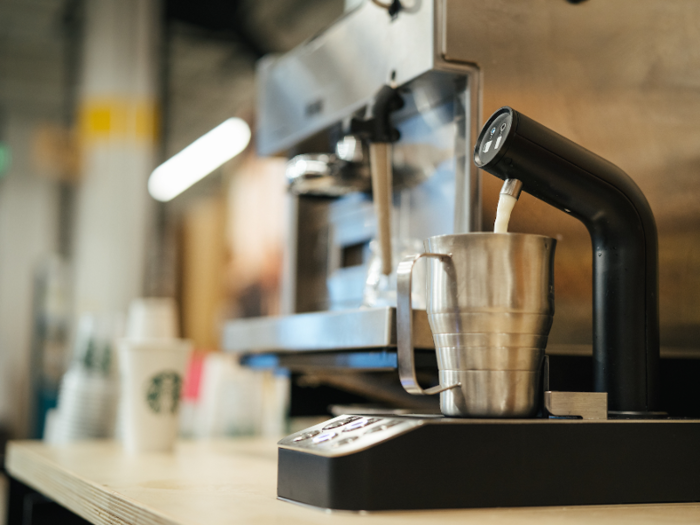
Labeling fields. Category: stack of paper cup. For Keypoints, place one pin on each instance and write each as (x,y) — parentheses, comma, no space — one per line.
(86,408)
(153,362)
(88,393)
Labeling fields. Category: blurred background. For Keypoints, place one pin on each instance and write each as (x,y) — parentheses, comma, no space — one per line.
(93,96)
(96,94)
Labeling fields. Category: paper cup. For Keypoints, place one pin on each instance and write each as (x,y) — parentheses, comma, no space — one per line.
(152,375)
(152,317)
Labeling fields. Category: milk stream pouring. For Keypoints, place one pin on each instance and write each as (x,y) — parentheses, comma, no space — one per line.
(508,197)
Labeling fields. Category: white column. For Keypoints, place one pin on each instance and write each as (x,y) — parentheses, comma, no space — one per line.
(28,211)
(117,124)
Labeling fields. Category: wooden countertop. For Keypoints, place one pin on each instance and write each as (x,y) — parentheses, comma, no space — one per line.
(234,481)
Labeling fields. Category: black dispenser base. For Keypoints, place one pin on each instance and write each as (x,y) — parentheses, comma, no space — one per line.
(433,463)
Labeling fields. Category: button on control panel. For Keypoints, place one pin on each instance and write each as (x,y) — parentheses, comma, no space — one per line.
(306,435)
(326,436)
(341,422)
(345,441)
(376,429)
(347,434)
(361,423)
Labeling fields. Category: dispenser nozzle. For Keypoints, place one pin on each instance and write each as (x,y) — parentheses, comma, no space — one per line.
(512,187)
(509,196)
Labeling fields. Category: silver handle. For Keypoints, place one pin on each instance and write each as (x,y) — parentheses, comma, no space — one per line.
(404,323)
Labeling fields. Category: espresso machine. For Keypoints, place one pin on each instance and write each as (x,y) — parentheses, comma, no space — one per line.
(414,79)
(329,116)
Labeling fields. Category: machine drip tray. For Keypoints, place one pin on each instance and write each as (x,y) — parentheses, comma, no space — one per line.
(430,462)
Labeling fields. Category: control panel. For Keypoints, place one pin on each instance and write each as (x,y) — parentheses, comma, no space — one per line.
(348,434)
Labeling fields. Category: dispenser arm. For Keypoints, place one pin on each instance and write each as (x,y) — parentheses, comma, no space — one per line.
(625,247)
(380,133)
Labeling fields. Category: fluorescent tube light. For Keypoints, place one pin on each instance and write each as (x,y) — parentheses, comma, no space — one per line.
(199,159)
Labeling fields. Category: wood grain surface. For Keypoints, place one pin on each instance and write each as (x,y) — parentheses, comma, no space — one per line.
(232,482)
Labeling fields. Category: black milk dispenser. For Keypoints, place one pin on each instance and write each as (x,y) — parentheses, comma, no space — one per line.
(625,248)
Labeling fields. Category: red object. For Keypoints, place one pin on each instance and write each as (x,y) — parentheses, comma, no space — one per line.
(193,376)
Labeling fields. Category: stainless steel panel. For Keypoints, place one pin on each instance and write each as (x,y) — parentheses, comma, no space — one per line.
(467,177)
(427,175)
(304,97)
(339,71)
(336,75)
(319,331)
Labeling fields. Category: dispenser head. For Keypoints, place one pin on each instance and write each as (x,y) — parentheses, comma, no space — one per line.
(493,136)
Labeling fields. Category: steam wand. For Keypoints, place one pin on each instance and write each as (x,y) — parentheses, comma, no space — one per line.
(380,133)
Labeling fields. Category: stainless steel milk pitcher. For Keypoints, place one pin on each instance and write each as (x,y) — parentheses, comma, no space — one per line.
(490,307)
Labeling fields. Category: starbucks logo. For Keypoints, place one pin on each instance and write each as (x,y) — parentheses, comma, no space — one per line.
(163,393)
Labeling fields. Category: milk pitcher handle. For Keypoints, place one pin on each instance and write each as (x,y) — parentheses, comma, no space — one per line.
(404,324)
